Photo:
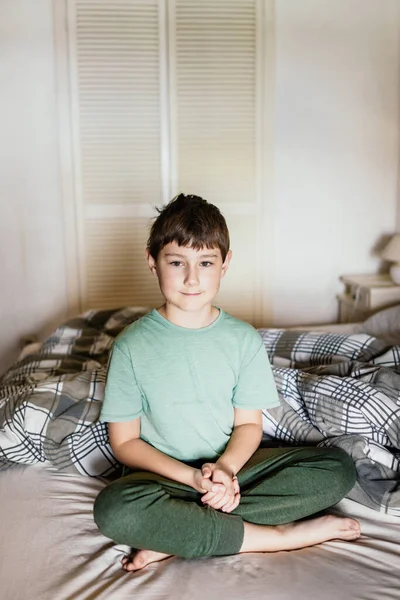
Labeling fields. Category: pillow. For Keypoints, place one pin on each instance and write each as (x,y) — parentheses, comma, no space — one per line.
(297,349)
(385,325)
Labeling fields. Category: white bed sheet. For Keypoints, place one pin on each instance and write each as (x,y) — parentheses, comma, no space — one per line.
(51,549)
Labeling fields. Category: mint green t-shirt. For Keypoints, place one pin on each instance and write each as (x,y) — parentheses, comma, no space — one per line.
(184,383)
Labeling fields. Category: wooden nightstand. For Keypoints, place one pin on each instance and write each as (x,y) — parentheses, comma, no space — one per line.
(365,294)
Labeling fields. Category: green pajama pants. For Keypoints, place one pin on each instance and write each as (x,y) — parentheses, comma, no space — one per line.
(278,485)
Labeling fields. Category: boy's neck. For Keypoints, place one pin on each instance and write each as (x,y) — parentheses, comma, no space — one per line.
(190,320)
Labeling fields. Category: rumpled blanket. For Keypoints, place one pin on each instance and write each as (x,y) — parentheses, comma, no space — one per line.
(341,391)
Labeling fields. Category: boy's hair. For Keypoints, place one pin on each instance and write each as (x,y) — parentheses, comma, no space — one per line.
(189,221)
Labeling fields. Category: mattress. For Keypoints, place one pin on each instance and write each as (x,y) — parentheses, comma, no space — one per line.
(53,550)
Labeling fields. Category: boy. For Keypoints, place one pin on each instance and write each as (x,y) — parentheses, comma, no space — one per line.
(185,390)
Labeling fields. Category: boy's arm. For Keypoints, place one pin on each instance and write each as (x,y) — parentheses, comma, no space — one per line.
(244,441)
(134,452)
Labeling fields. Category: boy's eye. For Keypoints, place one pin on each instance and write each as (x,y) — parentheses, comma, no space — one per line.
(178,263)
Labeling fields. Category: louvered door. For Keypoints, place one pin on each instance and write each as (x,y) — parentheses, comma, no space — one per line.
(117,88)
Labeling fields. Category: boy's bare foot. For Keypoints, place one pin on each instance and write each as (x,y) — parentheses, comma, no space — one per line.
(141,559)
(266,538)
(272,538)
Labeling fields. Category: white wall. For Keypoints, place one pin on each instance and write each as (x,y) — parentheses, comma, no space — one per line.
(336,158)
(336,153)
(32,274)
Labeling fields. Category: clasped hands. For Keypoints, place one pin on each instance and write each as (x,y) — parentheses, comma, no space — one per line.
(221,487)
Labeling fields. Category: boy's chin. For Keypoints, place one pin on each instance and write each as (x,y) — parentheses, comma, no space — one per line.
(194,306)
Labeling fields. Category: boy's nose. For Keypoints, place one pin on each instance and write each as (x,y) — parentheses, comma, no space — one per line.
(192,277)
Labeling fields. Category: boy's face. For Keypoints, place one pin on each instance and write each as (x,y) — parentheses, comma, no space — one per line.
(189,279)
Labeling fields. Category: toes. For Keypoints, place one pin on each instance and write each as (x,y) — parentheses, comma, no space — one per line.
(141,559)
(353,525)
(350,529)
(127,565)
(134,562)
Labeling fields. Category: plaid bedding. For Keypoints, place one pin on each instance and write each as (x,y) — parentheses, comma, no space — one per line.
(50,400)
(335,390)
(341,391)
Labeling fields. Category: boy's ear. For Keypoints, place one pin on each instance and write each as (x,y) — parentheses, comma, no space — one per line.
(226,263)
(151,262)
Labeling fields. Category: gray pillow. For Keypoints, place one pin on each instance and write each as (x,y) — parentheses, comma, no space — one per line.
(385,325)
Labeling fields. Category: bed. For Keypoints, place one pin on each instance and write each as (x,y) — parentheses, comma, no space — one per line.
(338,385)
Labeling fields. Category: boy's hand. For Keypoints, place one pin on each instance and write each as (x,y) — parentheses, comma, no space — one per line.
(227,495)
(202,484)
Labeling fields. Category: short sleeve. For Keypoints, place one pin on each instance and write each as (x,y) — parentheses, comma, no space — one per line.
(256,387)
(122,397)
